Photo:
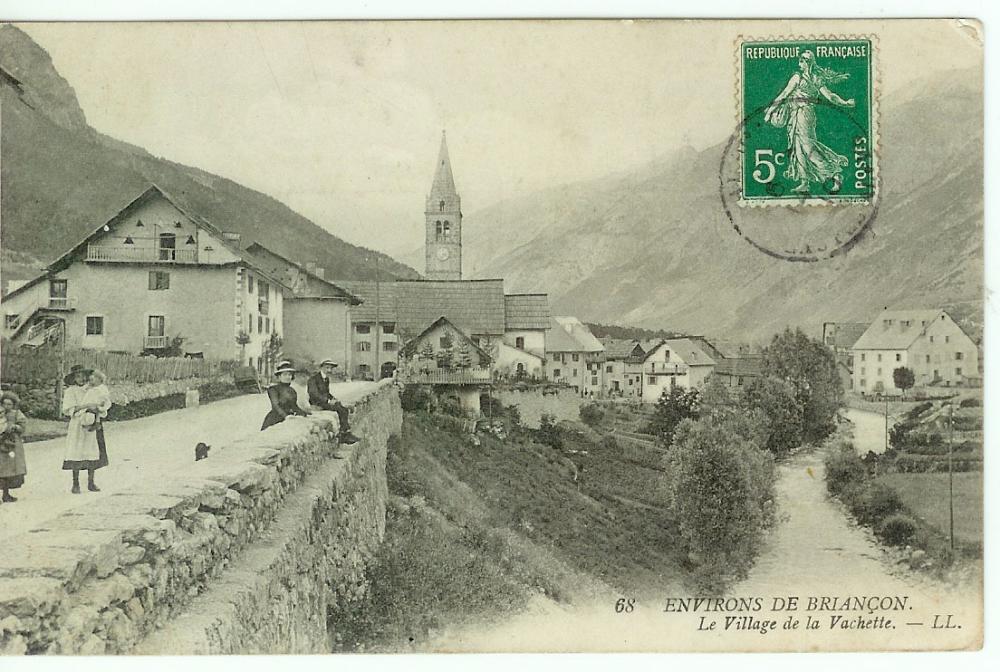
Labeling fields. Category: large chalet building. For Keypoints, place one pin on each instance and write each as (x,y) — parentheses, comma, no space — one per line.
(928,342)
(152,276)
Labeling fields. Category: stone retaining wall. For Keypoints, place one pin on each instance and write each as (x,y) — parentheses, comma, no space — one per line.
(248,551)
(563,404)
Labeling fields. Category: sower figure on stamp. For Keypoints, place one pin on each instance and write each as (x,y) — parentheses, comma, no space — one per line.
(320,397)
(284,400)
(809,160)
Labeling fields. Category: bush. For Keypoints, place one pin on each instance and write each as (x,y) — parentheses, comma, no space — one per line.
(897,530)
(592,415)
(549,432)
(721,489)
(451,406)
(971,402)
(919,410)
(609,442)
(782,412)
(843,467)
(871,503)
(416,398)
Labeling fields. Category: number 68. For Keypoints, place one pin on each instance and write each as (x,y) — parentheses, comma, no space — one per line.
(764,170)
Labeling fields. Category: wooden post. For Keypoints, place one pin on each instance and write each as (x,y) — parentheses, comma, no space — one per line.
(951,479)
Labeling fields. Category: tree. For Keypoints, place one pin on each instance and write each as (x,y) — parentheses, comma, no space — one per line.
(674,405)
(427,350)
(714,396)
(903,378)
(549,432)
(811,369)
(781,410)
(720,487)
(463,357)
(444,355)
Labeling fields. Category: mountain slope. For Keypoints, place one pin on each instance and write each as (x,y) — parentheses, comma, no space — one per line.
(652,248)
(61,179)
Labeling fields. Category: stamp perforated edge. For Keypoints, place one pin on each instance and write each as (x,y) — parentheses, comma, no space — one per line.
(876,140)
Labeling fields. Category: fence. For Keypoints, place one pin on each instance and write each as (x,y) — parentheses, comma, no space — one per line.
(42,364)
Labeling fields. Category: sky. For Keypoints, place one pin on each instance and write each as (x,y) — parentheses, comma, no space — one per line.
(342,120)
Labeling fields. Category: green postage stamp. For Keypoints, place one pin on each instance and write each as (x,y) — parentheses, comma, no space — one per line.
(807,117)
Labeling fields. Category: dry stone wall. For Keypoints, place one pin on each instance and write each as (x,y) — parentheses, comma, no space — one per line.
(250,551)
(562,404)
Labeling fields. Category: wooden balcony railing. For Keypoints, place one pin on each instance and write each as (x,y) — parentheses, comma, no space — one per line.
(446,377)
(140,254)
(155,342)
(667,368)
(61,303)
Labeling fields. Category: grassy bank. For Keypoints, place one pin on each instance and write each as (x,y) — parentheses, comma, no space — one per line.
(926,496)
(476,531)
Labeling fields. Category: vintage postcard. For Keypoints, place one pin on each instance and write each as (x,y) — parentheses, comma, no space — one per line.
(491,336)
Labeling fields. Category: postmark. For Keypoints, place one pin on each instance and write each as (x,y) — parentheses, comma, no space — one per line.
(798,177)
(812,133)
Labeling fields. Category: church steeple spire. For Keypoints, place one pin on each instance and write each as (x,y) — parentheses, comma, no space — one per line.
(443,214)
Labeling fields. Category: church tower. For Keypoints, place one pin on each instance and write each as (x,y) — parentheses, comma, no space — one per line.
(443,213)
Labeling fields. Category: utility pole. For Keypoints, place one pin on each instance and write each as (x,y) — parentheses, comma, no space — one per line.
(886,423)
(951,479)
(378,325)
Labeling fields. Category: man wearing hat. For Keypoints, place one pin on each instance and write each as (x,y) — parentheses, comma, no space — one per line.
(318,387)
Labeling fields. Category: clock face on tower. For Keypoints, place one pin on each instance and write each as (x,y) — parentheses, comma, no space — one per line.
(443,253)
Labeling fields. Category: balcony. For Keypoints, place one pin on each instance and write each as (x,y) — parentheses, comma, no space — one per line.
(136,254)
(60,303)
(155,342)
(446,377)
(666,368)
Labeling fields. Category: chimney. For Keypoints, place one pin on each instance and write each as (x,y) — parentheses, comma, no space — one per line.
(231,237)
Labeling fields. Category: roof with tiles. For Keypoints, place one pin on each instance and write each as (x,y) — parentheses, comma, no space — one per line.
(846,334)
(622,348)
(740,366)
(896,329)
(473,306)
(568,334)
(526,311)
(689,350)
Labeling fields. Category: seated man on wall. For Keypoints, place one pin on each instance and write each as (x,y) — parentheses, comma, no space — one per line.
(318,387)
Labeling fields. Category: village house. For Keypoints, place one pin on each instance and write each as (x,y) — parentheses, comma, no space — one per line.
(683,362)
(316,311)
(840,337)
(153,276)
(574,356)
(738,371)
(928,342)
(622,367)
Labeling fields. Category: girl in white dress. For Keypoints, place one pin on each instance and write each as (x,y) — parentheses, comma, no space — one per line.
(85,447)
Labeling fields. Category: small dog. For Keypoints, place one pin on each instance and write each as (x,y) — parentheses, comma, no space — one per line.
(201,451)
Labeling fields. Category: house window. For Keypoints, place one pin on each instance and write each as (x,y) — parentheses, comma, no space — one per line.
(593,380)
(168,245)
(263,291)
(958,371)
(576,357)
(936,374)
(862,356)
(159,280)
(95,325)
(899,357)
(443,342)
(250,325)
(363,328)
(250,283)
(932,339)
(519,342)
(651,380)
(388,328)
(556,373)
(575,373)
(862,370)
(947,339)
(128,241)
(475,341)
(927,359)
(260,324)
(447,228)
(879,357)
(879,372)
(608,369)
(958,355)
(364,346)
(863,383)
(739,381)
(441,206)
(157,325)
(267,325)
(58,289)
(10,320)
(437,228)
(389,346)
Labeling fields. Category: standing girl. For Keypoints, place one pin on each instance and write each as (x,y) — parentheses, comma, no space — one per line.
(13,423)
(85,447)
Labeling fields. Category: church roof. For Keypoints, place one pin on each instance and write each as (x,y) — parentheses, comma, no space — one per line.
(444,182)
(473,306)
(526,311)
